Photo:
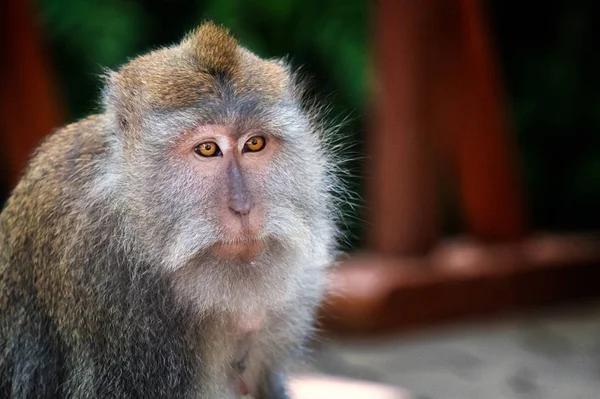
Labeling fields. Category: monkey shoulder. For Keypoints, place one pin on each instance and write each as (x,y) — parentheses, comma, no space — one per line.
(58,172)
(70,147)
(35,221)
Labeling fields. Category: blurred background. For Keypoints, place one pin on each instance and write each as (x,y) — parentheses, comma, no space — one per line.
(472,129)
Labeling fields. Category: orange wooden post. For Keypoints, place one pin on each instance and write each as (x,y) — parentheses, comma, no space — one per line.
(402,195)
(471,125)
(488,170)
(29,105)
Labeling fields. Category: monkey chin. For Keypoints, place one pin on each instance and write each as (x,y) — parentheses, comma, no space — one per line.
(239,251)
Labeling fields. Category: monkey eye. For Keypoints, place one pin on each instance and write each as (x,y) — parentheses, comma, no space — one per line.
(254,144)
(208,149)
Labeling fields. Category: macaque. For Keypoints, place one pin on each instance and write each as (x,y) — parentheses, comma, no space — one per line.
(175,245)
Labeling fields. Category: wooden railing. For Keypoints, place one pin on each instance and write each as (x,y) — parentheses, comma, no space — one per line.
(441,126)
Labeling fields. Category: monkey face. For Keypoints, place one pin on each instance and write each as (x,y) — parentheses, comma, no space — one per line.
(234,179)
(221,166)
(237,162)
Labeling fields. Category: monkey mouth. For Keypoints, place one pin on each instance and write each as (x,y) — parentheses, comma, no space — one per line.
(244,250)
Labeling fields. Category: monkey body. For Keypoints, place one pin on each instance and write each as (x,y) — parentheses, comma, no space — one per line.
(134,265)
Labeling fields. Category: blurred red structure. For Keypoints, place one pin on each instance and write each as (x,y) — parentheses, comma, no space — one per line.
(440,117)
(30,106)
(439,108)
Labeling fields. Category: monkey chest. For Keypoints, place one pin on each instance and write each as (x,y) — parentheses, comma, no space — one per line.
(246,364)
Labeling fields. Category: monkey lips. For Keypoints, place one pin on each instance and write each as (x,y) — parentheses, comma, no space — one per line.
(243,250)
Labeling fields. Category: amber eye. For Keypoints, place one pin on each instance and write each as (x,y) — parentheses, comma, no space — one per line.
(254,144)
(209,149)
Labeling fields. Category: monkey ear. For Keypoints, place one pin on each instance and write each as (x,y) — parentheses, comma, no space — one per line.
(283,62)
(112,98)
(297,82)
(110,80)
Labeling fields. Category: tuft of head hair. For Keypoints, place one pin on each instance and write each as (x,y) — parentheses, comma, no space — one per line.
(208,59)
(214,48)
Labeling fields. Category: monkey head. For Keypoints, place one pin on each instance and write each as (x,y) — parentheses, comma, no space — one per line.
(216,164)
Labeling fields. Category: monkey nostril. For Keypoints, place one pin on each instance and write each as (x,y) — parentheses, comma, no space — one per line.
(240,212)
(240,206)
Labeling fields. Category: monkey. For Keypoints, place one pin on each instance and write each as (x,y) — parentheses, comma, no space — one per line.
(177,243)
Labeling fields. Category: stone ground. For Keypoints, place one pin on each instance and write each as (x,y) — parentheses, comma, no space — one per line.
(550,354)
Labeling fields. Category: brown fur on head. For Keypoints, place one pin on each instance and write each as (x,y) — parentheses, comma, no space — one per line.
(176,76)
(217,52)
(214,49)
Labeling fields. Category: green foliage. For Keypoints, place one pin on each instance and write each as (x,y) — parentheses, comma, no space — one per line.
(328,39)
(551,66)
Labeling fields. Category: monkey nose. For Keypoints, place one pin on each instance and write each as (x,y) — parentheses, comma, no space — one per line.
(240,205)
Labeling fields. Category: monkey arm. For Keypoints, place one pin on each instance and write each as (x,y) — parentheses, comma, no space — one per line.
(273,386)
(297,326)
(32,368)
